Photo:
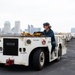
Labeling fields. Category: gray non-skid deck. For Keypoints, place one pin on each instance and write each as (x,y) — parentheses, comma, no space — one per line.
(66,66)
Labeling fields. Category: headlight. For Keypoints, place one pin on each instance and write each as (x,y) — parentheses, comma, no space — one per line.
(28,41)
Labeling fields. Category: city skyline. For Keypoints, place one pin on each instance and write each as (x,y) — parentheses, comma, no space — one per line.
(16,29)
(12,29)
(7,27)
(32,29)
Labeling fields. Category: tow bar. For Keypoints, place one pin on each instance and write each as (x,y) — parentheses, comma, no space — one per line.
(9,62)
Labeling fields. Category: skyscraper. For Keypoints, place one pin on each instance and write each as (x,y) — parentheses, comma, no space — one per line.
(26,30)
(37,29)
(17,26)
(29,28)
(0,30)
(32,29)
(72,30)
(7,27)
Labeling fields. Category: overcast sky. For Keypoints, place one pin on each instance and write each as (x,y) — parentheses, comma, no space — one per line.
(59,13)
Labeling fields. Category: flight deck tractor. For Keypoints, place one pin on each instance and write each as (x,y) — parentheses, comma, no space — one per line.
(30,50)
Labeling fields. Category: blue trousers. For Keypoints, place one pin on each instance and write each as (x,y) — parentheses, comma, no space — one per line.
(53,46)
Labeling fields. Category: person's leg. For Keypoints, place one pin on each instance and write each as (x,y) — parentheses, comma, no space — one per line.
(53,46)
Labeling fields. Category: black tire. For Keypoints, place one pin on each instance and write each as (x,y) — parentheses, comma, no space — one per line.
(59,53)
(37,61)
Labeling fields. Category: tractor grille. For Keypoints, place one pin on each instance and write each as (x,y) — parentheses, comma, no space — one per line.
(10,47)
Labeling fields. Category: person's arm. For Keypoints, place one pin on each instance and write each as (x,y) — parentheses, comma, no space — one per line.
(52,36)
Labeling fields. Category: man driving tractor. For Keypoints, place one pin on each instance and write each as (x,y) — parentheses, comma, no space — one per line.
(48,32)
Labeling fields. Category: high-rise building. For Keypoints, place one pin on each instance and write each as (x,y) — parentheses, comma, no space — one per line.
(29,28)
(7,27)
(72,30)
(0,30)
(37,29)
(17,26)
(13,30)
(32,29)
(26,30)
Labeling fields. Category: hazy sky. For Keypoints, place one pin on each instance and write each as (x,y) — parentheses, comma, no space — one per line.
(59,13)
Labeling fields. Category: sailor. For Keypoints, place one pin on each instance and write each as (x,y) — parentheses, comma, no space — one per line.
(48,32)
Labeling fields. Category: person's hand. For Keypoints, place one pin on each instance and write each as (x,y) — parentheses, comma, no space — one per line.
(43,35)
